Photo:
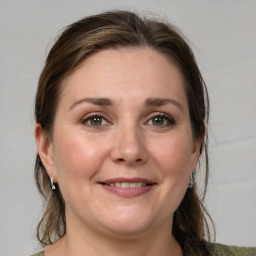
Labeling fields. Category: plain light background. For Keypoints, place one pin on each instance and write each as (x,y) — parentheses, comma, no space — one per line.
(223,36)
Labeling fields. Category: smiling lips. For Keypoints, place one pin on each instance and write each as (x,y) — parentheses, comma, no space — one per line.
(128,187)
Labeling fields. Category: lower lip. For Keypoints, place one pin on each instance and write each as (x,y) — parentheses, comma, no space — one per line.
(128,192)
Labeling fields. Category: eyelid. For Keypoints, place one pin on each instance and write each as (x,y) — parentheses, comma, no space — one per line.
(162,114)
(168,117)
(95,114)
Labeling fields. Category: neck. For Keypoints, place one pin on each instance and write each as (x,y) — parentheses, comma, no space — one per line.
(85,241)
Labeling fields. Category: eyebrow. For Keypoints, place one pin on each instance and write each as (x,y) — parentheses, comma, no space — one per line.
(95,101)
(107,102)
(162,101)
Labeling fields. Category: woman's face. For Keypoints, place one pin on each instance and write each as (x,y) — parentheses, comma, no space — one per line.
(122,145)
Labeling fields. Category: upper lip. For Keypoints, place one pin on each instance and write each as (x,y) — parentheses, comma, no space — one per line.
(130,180)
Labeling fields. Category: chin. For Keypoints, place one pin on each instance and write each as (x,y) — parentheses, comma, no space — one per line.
(129,222)
(126,230)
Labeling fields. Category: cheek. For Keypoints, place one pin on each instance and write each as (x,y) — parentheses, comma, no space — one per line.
(77,157)
(174,155)
(172,161)
(77,161)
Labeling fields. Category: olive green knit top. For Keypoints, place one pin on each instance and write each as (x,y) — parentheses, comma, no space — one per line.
(224,250)
(38,254)
(216,250)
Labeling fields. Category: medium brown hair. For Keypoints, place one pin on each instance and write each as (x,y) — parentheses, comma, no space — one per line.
(109,30)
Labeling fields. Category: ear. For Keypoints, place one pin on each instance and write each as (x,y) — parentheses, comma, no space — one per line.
(196,150)
(45,151)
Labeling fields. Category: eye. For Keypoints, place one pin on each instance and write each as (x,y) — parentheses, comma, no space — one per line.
(160,120)
(94,120)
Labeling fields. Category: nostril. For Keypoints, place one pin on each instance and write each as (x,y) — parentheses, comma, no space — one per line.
(120,160)
(128,155)
(129,161)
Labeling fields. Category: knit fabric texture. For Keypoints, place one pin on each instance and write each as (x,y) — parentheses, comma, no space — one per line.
(216,250)
(224,250)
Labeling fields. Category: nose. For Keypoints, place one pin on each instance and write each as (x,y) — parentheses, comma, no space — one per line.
(129,147)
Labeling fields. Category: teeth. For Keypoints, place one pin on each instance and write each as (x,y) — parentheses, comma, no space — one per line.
(118,184)
(127,184)
(133,185)
(139,184)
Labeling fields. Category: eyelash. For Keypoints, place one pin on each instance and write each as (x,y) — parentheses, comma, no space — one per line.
(168,118)
(89,117)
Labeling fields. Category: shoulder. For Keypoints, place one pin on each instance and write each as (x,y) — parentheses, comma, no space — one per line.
(222,250)
(38,254)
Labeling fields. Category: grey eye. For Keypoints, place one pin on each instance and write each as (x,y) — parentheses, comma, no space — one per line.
(95,121)
(161,120)
(158,120)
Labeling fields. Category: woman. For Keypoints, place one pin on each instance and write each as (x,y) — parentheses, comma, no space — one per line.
(122,113)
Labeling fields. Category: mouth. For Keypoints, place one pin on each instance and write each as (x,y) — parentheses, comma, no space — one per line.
(128,187)
(127,184)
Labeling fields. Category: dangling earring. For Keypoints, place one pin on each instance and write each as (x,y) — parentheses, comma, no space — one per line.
(52,184)
(191,182)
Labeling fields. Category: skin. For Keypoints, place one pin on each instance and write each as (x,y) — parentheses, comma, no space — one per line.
(131,139)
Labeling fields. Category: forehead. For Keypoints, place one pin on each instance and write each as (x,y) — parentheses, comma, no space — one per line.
(128,71)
